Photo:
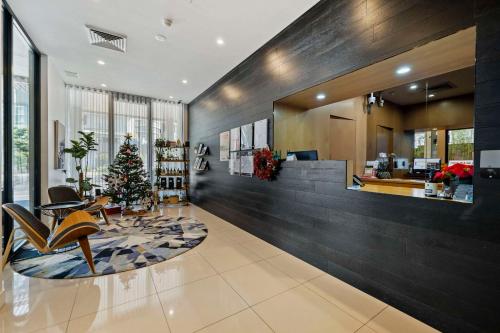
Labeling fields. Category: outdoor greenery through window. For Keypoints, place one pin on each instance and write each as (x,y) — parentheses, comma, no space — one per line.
(461,145)
(419,149)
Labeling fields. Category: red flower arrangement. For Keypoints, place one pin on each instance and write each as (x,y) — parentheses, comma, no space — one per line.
(462,171)
(264,165)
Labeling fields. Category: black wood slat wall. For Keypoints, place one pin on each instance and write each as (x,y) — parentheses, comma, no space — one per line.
(437,261)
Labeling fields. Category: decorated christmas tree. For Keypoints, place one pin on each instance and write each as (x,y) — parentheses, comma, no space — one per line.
(127,181)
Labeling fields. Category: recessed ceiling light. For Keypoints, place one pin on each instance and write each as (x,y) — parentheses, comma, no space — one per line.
(103,85)
(220,41)
(431,95)
(101,62)
(320,96)
(413,86)
(184,81)
(403,70)
(171,97)
(160,38)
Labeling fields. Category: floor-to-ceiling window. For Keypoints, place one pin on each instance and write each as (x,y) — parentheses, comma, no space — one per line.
(112,115)
(21,118)
(22,109)
(131,116)
(87,110)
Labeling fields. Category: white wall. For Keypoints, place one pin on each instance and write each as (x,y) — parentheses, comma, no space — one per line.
(53,108)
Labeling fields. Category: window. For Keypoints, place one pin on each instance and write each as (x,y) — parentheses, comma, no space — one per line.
(112,115)
(461,146)
(22,111)
(419,149)
(88,110)
(131,117)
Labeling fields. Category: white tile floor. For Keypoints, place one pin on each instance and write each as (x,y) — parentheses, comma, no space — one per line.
(232,282)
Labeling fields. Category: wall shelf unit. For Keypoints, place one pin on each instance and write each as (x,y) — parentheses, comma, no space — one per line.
(172,172)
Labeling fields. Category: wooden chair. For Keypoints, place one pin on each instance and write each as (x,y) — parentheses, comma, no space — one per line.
(77,226)
(63,193)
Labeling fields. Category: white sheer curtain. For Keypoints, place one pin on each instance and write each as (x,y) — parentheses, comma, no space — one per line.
(88,110)
(131,116)
(167,120)
(112,115)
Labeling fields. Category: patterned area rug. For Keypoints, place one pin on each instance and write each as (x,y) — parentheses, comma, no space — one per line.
(128,243)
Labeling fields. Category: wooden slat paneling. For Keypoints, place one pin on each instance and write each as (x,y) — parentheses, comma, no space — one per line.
(437,261)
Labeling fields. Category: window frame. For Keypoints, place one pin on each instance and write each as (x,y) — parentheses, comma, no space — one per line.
(10,22)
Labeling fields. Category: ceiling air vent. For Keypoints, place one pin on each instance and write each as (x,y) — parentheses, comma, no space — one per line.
(107,39)
(71,74)
(442,86)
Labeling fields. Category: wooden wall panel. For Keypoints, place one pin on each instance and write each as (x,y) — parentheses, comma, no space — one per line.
(437,261)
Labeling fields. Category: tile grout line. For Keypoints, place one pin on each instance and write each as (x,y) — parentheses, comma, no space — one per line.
(338,307)
(159,300)
(230,286)
(72,307)
(373,317)
(116,305)
(304,283)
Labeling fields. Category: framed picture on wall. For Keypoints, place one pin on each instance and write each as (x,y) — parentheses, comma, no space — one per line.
(59,144)
(224,146)
(246,161)
(235,139)
(247,137)
(234,163)
(260,134)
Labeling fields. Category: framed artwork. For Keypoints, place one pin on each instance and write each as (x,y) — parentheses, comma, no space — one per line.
(234,163)
(224,146)
(235,139)
(246,161)
(59,144)
(247,137)
(260,134)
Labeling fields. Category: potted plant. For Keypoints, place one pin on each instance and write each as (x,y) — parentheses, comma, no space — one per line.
(450,176)
(79,150)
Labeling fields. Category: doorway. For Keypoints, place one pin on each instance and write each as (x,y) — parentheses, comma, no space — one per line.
(385,140)
(343,139)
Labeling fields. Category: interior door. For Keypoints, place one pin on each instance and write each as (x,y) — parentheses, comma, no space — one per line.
(343,139)
(385,137)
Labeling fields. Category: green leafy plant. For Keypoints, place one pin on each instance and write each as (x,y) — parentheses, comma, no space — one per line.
(79,150)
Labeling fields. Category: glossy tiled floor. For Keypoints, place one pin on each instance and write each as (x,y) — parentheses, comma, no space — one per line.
(233,282)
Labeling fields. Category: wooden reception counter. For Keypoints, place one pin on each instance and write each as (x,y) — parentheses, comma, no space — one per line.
(398,186)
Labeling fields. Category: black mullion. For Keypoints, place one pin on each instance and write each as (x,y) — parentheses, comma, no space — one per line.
(35,124)
(7,196)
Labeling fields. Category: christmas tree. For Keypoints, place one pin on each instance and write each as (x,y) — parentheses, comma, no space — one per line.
(127,181)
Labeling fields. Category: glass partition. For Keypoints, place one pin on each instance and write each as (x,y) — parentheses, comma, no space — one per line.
(405,123)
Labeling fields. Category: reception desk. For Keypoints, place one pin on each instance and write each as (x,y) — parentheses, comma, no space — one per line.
(406,187)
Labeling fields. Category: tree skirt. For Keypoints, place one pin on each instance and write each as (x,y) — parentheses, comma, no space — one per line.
(128,243)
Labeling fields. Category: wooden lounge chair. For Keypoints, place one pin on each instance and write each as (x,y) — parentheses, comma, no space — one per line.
(64,193)
(75,227)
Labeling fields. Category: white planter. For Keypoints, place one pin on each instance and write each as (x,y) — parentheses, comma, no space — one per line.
(431,189)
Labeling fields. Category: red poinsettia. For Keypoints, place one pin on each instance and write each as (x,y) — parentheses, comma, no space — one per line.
(462,171)
(264,164)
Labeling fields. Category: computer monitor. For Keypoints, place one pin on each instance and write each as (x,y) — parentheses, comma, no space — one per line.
(306,155)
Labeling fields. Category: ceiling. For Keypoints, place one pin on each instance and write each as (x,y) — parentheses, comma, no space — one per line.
(438,57)
(149,67)
(456,83)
